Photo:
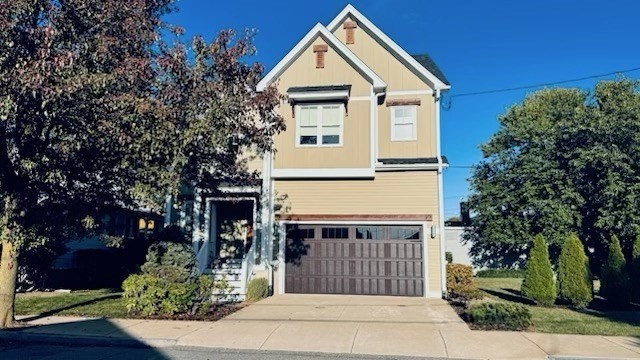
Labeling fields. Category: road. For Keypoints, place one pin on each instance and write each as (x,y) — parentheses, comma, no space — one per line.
(20,351)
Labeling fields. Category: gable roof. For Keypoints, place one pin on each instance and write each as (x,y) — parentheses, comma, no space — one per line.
(390,45)
(320,31)
(427,62)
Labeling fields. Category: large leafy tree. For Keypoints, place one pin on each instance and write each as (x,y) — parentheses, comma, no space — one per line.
(562,161)
(95,111)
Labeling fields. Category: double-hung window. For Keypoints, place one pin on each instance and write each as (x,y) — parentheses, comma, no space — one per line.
(403,123)
(319,125)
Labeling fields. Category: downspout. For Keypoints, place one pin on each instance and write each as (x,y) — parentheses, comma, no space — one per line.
(441,165)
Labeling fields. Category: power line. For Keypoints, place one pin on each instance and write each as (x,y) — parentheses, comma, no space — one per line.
(524,87)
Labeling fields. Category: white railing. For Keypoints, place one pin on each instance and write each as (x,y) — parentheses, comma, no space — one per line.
(248,263)
(202,258)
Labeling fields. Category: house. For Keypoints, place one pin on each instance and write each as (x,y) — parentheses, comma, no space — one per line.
(351,200)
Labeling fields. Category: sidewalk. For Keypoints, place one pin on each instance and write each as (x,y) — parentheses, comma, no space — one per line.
(344,337)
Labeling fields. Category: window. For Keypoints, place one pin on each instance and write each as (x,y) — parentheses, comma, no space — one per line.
(370,232)
(319,125)
(335,233)
(405,233)
(403,123)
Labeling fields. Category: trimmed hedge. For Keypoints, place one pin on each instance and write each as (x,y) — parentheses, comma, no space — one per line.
(614,281)
(257,289)
(635,268)
(449,257)
(501,273)
(538,281)
(459,276)
(499,315)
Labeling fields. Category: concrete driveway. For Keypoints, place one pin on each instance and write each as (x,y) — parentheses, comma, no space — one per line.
(354,309)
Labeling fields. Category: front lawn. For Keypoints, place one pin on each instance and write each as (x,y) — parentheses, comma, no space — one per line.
(595,320)
(93,303)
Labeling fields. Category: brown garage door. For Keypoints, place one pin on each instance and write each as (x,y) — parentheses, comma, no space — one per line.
(371,260)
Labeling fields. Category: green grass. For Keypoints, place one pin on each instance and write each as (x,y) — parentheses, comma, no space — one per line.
(94,303)
(595,320)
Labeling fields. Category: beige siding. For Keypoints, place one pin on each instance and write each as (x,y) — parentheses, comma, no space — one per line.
(414,192)
(424,146)
(356,149)
(391,70)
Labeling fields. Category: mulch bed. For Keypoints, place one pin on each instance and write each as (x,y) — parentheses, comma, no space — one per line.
(215,313)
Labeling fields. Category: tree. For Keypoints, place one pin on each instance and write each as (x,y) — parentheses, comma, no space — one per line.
(614,281)
(635,268)
(95,111)
(538,277)
(574,277)
(563,161)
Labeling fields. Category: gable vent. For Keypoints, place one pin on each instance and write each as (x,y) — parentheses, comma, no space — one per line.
(320,50)
(350,26)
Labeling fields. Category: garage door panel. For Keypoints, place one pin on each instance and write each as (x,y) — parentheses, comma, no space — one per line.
(344,264)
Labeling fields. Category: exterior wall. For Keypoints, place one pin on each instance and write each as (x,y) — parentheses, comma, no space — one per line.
(424,146)
(356,149)
(398,78)
(454,244)
(390,193)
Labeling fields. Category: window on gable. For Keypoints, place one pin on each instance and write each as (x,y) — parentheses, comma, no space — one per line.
(403,123)
(320,125)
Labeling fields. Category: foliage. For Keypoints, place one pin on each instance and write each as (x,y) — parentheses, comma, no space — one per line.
(257,289)
(635,269)
(614,279)
(575,284)
(175,262)
(97,111)
(448,255)
(466,294)
(500,315)
(538,282)
(148,295)
(562,161)
(500,273)
(459,276)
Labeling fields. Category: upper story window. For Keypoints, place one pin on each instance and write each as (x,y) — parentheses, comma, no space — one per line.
(403,123)
(319,125)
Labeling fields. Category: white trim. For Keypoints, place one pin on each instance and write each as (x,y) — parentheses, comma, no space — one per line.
(319,95)
(386,42)
(323,173)
(282,241)
(401,167)
(360,98)
(434,294)
(373,129)
(319,120)
(414,118)
(239,189)
(348,55)
(443,279)
(409,92)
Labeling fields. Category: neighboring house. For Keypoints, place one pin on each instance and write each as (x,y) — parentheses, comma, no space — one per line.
(351,201)
(454,243)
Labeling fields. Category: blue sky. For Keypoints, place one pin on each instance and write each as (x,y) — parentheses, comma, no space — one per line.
(480,45)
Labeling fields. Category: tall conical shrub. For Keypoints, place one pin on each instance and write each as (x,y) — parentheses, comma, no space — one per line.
(574,277)
(614,280)
(538,277)
(635,269)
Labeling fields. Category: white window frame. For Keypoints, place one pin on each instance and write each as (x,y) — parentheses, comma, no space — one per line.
(414,110)
(319,126)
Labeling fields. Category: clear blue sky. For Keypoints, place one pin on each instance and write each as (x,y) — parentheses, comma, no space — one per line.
(480,45)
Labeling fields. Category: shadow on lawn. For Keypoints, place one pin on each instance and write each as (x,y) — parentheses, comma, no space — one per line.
(72,306)
(509,295)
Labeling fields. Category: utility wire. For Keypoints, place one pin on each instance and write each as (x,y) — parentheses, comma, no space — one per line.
(545,84)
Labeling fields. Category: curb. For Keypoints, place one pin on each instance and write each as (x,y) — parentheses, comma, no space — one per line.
(84,340)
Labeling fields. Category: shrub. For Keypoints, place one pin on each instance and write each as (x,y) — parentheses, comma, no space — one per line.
(538,278)
(499,315)
(459,276)
(501,273)
(449,257)
(467,294)
(172,261)
(635,268)
(614,280)
(257,289)
(574,277)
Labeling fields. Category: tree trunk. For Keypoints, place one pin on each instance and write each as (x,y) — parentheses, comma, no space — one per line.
(8,278)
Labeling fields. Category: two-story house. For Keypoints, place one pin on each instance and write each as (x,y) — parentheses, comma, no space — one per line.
(351,200)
